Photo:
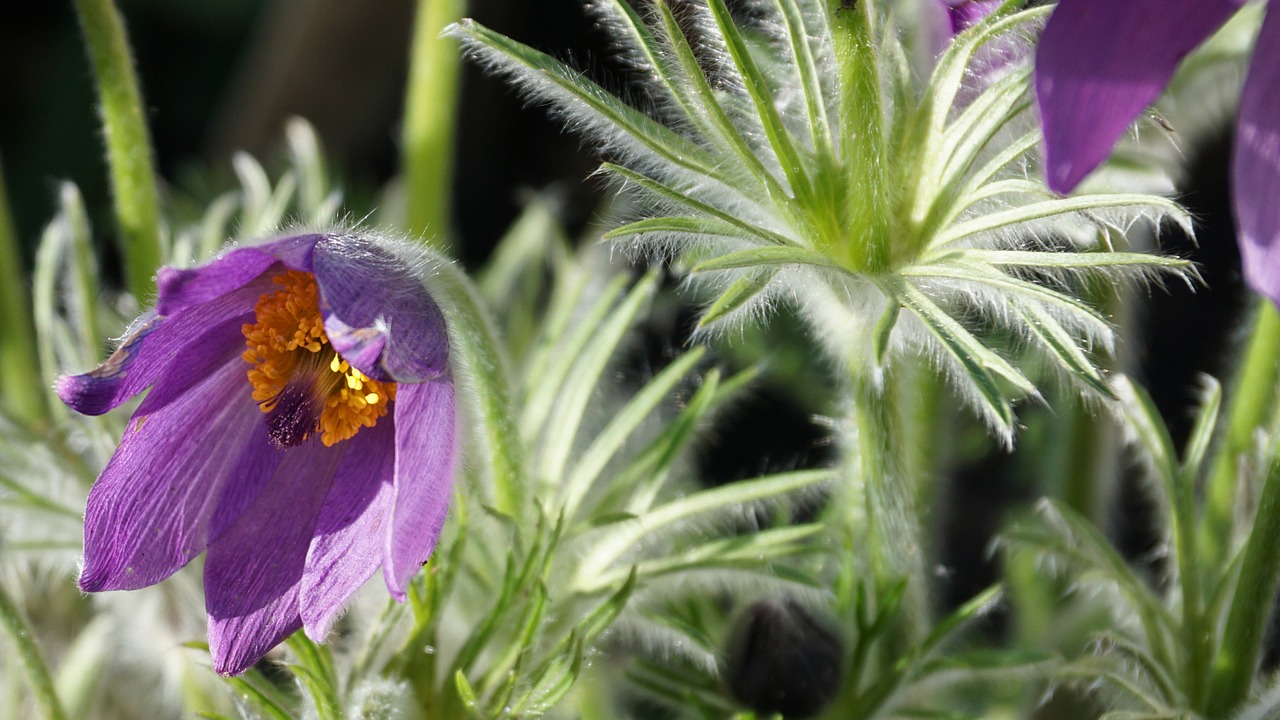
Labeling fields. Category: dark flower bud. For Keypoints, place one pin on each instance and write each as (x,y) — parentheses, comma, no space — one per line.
(784,657)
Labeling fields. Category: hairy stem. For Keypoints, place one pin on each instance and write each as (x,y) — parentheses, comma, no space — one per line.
(1251,401)
(29,654)
(128,146)
(22,396)
(429,119)
(487,391)
(862,137)
(885,493)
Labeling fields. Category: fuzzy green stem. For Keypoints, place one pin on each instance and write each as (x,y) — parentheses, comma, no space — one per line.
(473,341)
(128,146)
(1251,401)
(429,119)
(877,475)
(1086,449)
(22,396)
(29,654)
(1195,635)
(862,137)
(1237,659)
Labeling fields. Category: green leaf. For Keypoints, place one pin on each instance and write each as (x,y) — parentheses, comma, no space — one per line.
(766,256)
(1031,260)
(622,427)
(644,52)
(982,365)
(542,69)
(256,690)
(1204,431)
(762,98)
(561,346)
(981,177)
(720,123)
(884,328)
(658,189)
(581,382)
(613,545)
(1060,531)
(959,619)
(739,293)
(807,69)
(465,692)
(526,246)
(611,518)
(967,136)
(752,552)
(1064,347)
(315,669)
(1035,293)
(1025,214)
(1152,435)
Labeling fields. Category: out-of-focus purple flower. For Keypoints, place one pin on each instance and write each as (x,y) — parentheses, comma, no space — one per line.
(1100,63)
(942,20)
(300,430)
(965,13)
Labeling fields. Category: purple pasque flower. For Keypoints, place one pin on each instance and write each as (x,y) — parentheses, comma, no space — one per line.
(1100,63)
(300,430)
(961,14)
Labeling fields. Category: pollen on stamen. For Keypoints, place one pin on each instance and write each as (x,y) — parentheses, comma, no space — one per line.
(285,349)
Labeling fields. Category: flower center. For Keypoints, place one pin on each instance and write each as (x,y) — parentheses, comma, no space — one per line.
(298,380)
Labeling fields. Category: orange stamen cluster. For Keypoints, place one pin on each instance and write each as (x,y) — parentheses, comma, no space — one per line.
(287,345)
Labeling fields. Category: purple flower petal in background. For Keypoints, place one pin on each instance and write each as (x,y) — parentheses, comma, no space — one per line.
(1255,173)
(299,464)
(966,13)
(942,20)
(1100,63)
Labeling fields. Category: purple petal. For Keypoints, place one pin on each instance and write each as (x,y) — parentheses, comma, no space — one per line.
(1100,63)
(378,315)
(967,13)
(347,547)
(1256,167)
(181,289)
(151,510)
(252,573)
(191,343)
(426,455)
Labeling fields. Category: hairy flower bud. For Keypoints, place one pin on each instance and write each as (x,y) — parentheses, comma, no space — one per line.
(784,657)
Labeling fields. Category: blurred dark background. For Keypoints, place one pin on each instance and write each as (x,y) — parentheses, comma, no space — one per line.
(224,76)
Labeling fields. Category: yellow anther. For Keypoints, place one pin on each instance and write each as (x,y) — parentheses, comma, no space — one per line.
(282,348)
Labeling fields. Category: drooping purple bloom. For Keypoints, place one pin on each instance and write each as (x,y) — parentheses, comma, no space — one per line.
(964,13)
(1100,63)
(300,430)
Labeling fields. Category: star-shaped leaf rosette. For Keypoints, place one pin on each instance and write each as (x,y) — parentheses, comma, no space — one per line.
(789,154)
(299,430)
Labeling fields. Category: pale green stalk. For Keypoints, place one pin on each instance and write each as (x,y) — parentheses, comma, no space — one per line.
(429,119)
(473,341)
(29,654)
(19,384)
(1237,659)
(862,137)
(1251,401)
(877,475)
(129,152)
